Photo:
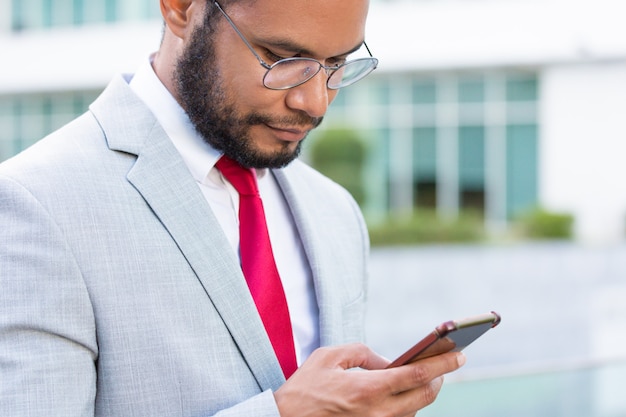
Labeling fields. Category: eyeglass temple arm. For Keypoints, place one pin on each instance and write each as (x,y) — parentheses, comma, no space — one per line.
(368,49)
(243,38)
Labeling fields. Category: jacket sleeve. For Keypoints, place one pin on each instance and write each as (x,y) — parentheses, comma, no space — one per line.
(48,344)
(47,330)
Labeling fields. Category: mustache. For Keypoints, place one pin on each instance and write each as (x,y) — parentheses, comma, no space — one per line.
(296,120)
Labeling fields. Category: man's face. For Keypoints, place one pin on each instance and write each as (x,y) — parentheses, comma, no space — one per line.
(219,80)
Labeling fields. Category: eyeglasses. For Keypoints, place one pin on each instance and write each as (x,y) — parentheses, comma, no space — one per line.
(291,72)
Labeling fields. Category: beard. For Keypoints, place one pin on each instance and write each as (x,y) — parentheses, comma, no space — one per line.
(215,116)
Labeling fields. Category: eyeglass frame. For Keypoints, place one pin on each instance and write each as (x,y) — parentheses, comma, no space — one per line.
(330,70)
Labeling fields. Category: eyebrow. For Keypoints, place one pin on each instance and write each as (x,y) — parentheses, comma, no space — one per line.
(288,45)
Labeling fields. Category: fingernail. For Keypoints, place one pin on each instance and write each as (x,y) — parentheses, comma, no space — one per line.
(460,358)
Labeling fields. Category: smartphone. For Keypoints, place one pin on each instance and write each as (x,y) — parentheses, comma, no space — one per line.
(451,336)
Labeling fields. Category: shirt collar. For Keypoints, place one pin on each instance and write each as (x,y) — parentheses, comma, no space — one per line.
(199,156)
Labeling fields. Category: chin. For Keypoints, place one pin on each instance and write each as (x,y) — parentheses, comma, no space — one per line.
(271,159)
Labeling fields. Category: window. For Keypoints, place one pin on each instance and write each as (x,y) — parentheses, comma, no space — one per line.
(26,119)
(36,14)
(452,141)
(471,90)
(521,88)
(425,167)
(472,167)
(521,163)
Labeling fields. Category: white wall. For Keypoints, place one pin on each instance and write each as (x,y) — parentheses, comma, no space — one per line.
(422,35)
(446,34)
(74,58)
(583,147)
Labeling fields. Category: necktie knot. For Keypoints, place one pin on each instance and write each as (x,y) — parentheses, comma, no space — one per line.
(243,179)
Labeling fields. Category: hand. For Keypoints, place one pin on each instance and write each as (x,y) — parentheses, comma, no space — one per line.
(323,386)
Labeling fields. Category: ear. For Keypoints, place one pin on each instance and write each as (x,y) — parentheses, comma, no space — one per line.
(178,15)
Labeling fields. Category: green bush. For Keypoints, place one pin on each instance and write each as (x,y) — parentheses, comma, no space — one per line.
(426,227)
(542,224)
(339,153)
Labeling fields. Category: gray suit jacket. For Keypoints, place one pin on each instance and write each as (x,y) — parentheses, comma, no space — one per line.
(118,296)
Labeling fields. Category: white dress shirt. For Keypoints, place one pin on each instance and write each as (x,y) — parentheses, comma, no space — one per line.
(223,199)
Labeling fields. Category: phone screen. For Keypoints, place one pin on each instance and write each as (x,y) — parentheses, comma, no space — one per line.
(451,336)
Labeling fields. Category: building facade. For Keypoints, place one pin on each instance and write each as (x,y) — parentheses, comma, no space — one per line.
(498,106)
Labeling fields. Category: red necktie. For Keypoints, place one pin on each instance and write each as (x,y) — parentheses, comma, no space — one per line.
(257,263)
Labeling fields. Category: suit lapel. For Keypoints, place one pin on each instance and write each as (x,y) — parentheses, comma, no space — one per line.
(317,249)
(165,183)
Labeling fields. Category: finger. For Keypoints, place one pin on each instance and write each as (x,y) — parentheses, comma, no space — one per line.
(409,402)
(349,356)
(422,372)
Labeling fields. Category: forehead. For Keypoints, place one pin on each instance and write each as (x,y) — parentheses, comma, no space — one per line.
(328,27)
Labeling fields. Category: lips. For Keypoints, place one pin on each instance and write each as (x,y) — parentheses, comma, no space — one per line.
(290,133)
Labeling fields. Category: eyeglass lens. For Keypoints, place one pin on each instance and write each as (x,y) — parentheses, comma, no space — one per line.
(292,72)
(352,72)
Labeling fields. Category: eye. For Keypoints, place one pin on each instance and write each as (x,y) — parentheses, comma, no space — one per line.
(272,57)
(336,62)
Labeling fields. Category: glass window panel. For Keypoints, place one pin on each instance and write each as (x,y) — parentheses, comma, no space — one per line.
(381,148)
(6,107)
(379,158)
(31,119)
(127,10)
(110,10)
(340,99)
(138,10)
(83,100)
(471,90)
(472,157)
(425,152)
(378,89)
(17,15)
(33,14)
(24,120)
(152,9)
(521,88)
(425,166)
(62,110)
(92,11)
(29,14)
(424,91)
(79,12)
(47,113)
(7,128)
(61,12)
(47,9)
(521,168)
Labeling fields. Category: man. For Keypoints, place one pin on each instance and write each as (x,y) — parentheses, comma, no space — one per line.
(122,290)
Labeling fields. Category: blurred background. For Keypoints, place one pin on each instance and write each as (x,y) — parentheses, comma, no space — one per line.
(486,151)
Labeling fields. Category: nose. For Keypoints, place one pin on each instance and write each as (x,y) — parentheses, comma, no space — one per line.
(312,97)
